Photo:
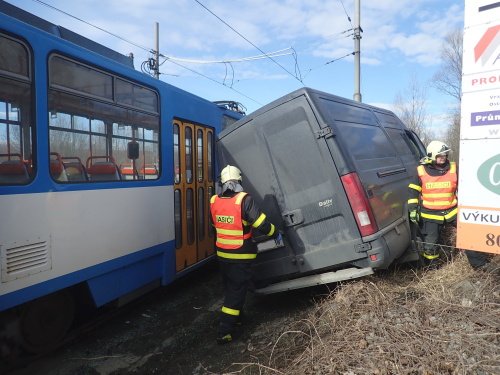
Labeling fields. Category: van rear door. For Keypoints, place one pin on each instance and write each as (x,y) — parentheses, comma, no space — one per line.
(320,227)
(372,155)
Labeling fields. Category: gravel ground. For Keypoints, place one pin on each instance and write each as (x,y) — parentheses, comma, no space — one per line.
(172,331)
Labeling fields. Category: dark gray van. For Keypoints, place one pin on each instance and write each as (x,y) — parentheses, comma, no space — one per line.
(333,174)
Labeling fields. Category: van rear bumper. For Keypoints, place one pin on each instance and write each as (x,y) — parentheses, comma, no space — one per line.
(386,245)
(312,280)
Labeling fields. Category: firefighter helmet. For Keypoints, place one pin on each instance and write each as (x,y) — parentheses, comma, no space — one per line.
(230,173)
(436,148)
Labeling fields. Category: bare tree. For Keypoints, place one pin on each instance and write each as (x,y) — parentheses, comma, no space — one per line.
(452,137)
(448,79)
(409,105)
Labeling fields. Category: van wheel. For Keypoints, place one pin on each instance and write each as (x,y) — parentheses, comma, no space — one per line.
(45,321)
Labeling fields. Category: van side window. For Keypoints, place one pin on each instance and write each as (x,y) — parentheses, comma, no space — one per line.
(365,142)
(401,141)
(418,149)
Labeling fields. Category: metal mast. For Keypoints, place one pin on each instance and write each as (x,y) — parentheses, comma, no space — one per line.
(357,52)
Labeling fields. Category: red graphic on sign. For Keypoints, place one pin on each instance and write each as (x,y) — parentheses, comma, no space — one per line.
(487,45)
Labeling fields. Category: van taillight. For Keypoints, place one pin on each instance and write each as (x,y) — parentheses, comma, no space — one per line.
(359,204)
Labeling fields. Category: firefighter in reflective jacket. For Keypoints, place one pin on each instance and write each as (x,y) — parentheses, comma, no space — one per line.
(234,214)
(432,200)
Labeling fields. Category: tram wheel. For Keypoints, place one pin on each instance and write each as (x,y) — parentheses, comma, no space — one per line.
(45,321)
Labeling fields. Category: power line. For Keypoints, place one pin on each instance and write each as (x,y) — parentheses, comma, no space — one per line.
(345,11)
(241,35)
(242,59)
(97,27)
(147,65)
(328,62)
(213,80)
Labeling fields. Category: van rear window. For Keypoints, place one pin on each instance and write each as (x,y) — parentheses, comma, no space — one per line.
(345,112)
(365,142)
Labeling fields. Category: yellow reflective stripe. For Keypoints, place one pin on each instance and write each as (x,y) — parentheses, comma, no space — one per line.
(439,195)
(226,241)
(245,223)
(271,232)
(240,197)
(430,256)
(413,201)
(236,256)
(212,199)
(229,311)
(429,216)
(453,167)
(230,232)
(415,187)
(452,213)
(259,221)
(439,203)
(421,170)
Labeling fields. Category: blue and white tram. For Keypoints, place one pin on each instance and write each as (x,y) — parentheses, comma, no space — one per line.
(105,178)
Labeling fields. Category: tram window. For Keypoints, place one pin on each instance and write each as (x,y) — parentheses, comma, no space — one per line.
(103,129)
(199,155)
(135,96)
(13,57)
(189,154)
(78,77)
(81,123)
(190,216)
(177,157)
(178,218)
(201,214)
(16,128)
(210,151)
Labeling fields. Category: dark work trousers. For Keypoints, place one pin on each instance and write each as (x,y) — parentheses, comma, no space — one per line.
(431,235)
(237,280)
(477,258)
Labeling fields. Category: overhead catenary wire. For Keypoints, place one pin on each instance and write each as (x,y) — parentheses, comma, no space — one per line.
(146,66)
(246,39)
(347,15)
(328,62)
(95,26)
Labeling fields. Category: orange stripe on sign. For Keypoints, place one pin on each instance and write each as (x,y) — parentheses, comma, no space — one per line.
(484,238)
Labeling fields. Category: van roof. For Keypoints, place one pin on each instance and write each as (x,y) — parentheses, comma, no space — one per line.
(312,95)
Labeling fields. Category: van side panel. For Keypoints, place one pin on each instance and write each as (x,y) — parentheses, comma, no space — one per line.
(318,217)
(289,170)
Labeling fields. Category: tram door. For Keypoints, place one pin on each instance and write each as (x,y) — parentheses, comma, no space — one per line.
(193,187)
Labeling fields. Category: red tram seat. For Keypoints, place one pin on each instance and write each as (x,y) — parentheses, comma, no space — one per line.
(57,170)
(102,168)
(127,171)
(13,171)
(150,171)
(75,170)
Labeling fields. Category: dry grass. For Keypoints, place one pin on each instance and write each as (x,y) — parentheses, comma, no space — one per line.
(444,321)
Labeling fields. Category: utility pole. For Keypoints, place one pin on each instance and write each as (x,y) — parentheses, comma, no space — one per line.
(157,51)
(357,52)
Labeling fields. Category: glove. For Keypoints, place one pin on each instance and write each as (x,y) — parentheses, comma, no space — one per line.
(414,216)
(278,239)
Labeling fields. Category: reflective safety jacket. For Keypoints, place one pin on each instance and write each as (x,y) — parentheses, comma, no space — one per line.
(228,222)
(435,193)
(234,216)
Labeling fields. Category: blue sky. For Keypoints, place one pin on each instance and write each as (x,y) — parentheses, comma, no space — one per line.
(400,38)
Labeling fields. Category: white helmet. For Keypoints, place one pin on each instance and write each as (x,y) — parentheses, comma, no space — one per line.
(230,173)
(436,148)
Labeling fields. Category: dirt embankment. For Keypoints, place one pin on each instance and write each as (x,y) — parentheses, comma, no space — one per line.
(444,321)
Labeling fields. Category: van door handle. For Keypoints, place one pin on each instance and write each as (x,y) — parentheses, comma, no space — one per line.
(391,172)
(293,217)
